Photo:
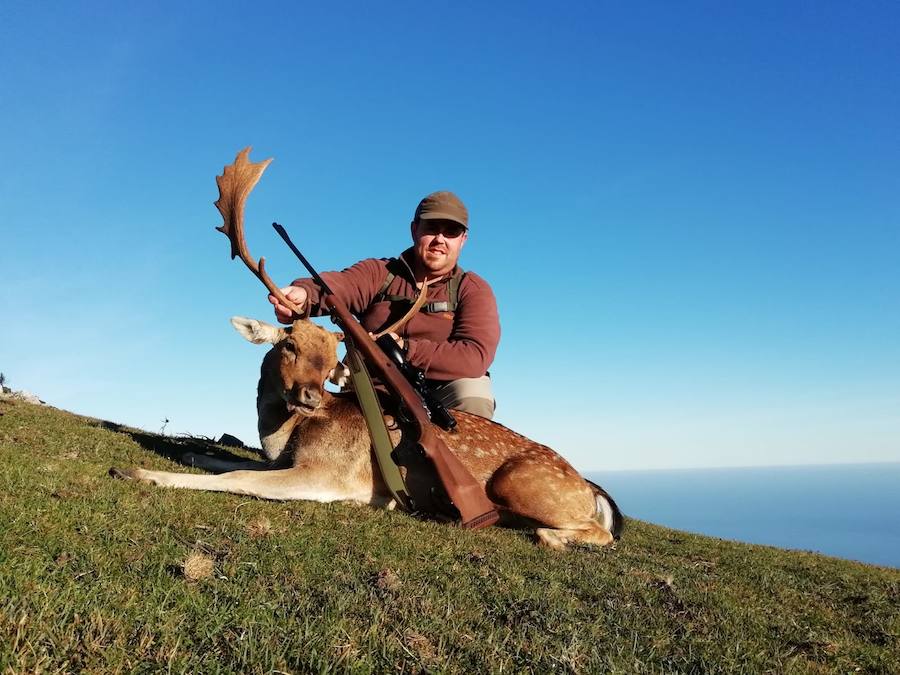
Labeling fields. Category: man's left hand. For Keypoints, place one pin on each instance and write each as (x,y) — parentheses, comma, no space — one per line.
(399,340)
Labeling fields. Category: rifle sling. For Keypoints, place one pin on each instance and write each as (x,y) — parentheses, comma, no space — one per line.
(374,416)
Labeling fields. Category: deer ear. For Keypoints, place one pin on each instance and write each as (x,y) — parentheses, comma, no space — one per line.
(258,332)
(338,336)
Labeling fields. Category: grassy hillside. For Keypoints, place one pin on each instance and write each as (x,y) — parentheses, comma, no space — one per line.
(108,576)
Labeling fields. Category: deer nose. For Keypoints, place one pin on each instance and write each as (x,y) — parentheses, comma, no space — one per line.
(310,396)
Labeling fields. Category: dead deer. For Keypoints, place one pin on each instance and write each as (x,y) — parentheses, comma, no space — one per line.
(317,447)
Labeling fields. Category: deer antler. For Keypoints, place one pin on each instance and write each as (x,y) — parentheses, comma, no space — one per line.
(417,305)
(235,184)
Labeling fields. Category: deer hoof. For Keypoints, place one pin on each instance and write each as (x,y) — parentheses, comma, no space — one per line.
(551,539)
(124,474)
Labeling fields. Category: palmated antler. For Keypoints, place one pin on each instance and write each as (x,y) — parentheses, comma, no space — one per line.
(235,184)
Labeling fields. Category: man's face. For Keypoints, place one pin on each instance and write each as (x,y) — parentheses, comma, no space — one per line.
(437,244)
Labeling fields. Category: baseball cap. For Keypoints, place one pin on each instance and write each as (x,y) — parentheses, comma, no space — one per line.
(444,206)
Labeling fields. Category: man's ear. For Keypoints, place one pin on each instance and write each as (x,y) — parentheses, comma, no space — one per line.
(412,230)
(258,332)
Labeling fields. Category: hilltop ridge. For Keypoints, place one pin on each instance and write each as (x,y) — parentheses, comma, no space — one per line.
(105,575)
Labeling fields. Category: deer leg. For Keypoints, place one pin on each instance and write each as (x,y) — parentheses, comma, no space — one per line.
(546,491)
(282,484)
(593,533)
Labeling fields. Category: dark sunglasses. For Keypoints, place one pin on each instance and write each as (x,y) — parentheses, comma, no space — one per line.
(447,228)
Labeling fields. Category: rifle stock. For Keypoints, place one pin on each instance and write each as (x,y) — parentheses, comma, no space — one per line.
(467,495)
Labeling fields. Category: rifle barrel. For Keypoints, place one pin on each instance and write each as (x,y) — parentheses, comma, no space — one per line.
(315,275)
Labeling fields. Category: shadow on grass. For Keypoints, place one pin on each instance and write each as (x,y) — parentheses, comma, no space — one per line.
(175,447)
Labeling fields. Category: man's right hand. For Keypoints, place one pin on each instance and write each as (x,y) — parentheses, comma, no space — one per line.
(296,295)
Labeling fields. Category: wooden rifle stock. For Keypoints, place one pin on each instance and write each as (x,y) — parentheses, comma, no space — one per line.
(467,495)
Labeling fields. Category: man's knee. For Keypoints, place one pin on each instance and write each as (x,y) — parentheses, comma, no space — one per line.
(483,407)
(469,394)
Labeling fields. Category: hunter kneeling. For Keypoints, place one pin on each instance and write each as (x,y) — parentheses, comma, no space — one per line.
(453,337)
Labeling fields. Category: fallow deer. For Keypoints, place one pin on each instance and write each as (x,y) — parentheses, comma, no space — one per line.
(317,446)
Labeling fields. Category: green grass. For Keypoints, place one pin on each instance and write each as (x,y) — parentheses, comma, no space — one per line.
(92,578)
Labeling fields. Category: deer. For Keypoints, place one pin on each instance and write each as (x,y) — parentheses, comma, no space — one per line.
(315,444)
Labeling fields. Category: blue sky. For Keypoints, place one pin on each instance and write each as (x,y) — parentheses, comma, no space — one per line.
(689,212)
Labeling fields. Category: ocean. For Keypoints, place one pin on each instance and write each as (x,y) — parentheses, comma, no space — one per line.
(848,511)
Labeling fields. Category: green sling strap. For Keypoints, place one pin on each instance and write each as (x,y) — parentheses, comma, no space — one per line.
(374,416)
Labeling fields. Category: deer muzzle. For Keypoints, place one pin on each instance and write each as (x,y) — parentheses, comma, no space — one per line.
(304,399)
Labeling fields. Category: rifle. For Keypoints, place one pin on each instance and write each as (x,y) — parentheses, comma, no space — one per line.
(466,494)
(437,411)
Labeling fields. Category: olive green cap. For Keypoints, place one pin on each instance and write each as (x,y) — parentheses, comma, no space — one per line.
(444,206)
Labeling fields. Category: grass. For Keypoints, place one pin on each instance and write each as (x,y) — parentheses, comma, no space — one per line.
(109,576)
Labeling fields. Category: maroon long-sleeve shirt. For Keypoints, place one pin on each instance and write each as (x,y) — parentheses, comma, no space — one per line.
(447,346)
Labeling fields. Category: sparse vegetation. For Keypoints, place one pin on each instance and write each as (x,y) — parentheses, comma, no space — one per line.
(105,576)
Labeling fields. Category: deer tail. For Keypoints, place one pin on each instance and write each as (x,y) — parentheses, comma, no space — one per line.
(608,512)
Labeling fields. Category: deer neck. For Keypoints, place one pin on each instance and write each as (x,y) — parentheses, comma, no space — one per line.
(275,422)
(278,426)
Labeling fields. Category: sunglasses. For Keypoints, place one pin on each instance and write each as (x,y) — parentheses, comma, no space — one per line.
(448,228)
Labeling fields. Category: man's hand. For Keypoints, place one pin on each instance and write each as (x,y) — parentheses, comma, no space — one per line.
(296,295)
(399,340)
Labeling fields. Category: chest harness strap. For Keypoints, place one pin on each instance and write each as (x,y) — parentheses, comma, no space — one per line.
(448,305)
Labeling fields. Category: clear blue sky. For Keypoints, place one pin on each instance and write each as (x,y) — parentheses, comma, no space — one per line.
(690,212)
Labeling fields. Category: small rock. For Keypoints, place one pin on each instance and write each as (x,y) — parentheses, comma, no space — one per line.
(230,441)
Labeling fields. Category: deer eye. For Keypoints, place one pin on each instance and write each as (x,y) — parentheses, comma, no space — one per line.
(289,347)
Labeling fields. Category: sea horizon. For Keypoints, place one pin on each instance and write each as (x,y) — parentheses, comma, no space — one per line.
(847,510)
(739,467)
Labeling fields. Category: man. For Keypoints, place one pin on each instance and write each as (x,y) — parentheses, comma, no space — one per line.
(454,336)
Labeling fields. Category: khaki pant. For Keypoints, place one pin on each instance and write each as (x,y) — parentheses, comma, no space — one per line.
(469,394)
